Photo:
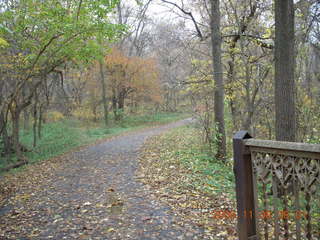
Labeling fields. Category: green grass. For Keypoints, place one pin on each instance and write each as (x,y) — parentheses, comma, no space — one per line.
(63,136)
(208,174)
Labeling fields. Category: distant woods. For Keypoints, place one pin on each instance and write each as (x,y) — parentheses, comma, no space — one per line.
(94,61)
(234,64)
(268,82)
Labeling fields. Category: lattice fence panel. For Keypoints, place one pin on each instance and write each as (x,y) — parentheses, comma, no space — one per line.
(288,194)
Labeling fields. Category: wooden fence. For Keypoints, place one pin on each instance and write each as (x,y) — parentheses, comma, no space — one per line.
(277,188)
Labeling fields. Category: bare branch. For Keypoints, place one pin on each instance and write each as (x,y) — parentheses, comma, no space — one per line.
(196,25)
(79,8)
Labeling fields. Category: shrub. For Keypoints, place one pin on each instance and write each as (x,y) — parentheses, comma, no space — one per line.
(54,116)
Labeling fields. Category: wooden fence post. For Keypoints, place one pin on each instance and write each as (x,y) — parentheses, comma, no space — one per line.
(247,229)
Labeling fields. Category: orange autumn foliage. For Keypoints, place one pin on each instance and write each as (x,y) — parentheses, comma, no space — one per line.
(134,76)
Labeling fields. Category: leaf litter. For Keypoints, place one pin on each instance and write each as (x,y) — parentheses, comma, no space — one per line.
(177,185)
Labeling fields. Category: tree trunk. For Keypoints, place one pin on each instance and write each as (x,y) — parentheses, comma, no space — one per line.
(218,78)
(40,120)
(231,79)
(174,96)
(318,93)
(114,105)
(35,120)
(121,103)
(15,114)
(121,98)
(26,120)
(249,102)
(5,137)
(25,111)
(308,77)
(284,71)
(14,165)
(104,94)
(94,112)
(247,124)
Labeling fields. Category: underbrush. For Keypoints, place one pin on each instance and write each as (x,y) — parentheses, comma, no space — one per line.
(209,175)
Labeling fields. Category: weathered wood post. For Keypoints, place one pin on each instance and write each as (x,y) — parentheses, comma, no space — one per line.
(247,229)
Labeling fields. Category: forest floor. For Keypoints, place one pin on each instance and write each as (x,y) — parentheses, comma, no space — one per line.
(94,193)
(183,175)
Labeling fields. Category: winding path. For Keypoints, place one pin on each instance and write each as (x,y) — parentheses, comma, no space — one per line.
(95,196)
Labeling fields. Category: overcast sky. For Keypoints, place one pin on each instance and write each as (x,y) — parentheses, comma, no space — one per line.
(160,10)
(167,12)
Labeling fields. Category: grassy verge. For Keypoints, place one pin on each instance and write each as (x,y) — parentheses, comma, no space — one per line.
(183,176)
(63,136)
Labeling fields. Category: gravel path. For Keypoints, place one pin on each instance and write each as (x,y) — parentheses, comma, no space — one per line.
(95,196)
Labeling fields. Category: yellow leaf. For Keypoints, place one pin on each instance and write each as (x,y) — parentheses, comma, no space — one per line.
(111,230)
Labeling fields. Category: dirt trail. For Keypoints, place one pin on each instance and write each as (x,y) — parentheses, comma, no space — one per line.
(95,196)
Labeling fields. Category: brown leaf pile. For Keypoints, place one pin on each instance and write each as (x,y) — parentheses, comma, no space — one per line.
(173,184)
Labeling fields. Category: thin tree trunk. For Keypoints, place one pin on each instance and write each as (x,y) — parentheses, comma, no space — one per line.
(35,120)
(104,94)
(318,93)
(248,121)
(15,165)
(284,71)
(231,79)
(94,112)
(218,78)
(121,105)
(40,120)
(249,102)
(308,77)
(25,111)
(114,105)
(15,114)
(26,120)
(5,137)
